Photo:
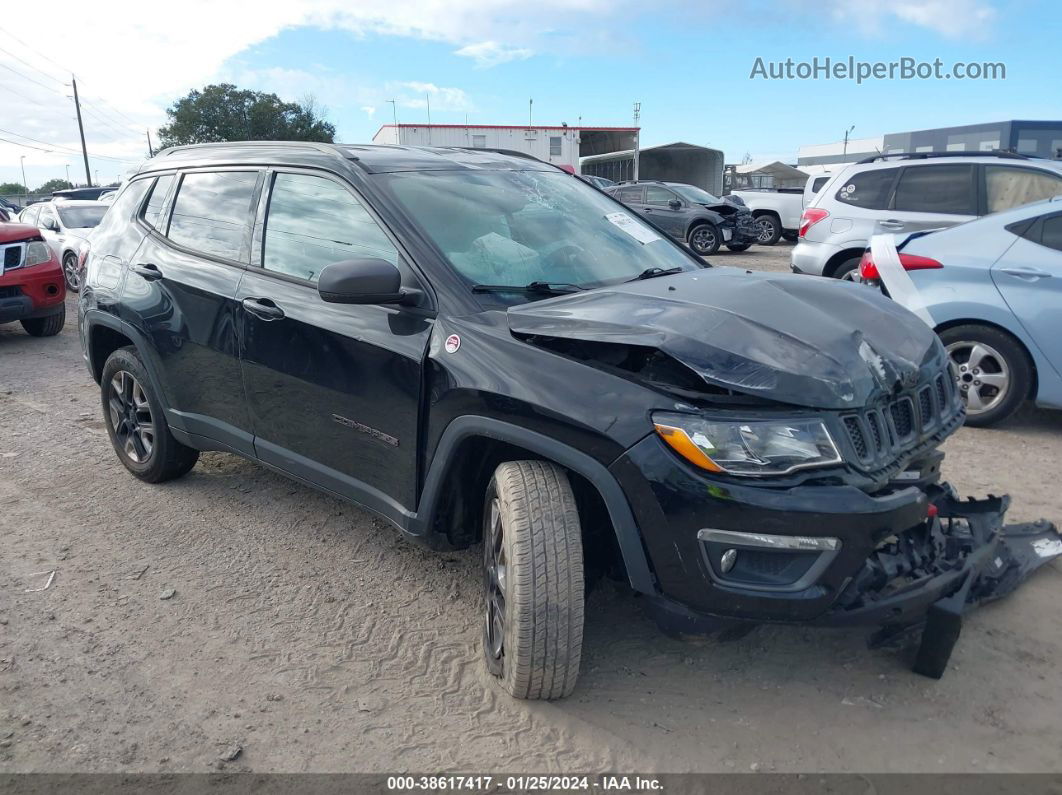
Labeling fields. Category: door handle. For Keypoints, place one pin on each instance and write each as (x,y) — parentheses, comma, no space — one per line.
(148,271)
(263,308)
(891,223)
(1026,273)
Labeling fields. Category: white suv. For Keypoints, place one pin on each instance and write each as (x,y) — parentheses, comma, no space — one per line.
(908,193)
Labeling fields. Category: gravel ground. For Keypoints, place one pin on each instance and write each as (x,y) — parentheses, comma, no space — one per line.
(234,619)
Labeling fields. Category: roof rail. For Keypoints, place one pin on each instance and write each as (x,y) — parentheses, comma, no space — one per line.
(497,151)
(317,145)
(1002,153)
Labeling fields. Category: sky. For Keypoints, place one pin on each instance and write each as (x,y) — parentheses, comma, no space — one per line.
(689,64)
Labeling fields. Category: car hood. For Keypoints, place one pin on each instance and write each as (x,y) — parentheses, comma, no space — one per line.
(796,339)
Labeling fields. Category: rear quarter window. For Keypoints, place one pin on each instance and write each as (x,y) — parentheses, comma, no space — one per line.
(868,189)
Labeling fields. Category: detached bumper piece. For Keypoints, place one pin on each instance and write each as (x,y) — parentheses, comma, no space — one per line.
(933,574)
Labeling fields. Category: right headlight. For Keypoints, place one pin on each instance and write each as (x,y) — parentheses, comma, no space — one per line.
(748,447)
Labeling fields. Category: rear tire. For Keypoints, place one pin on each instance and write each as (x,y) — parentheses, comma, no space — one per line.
(768,229)
(790,237)
(136,423)
(738,246)
(45,326)
(994,368)
(533,580)
(848,271)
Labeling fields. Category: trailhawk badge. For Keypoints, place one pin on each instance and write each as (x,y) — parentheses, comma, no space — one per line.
(453,342)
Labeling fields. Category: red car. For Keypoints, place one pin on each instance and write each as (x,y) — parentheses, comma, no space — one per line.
(32,289)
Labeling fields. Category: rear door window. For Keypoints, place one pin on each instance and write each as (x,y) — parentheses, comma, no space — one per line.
(947,189)
(868,189)
(1010,186)
(212,213)
(629,195)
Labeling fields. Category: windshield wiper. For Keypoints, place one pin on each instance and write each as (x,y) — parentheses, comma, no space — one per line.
(554,288)
(655,271)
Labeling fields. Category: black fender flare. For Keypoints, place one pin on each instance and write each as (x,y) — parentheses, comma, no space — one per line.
(709,217)
(469,426)
(95,318)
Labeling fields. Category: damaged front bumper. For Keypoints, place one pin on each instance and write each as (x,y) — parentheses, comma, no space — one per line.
(910,557)
(927,578)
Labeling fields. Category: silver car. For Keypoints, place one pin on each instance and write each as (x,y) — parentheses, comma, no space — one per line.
(65,225)
(992,289)
(908,193)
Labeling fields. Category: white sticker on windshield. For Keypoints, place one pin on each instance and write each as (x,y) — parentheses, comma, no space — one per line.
(642,234)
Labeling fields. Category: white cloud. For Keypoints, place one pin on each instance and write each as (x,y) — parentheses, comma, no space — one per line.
(490,53)
(954,19)
(416,95)
(370,111)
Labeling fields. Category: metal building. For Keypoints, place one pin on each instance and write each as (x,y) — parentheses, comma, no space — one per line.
(677,162)
(562,146)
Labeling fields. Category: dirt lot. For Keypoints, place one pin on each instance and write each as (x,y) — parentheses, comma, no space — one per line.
(314,638)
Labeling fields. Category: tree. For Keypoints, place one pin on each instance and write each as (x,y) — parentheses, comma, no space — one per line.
(52,185)
(11,188)
(227,113)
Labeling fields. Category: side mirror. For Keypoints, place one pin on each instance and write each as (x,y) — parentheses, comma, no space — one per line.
(674,204)
(362,281)
(51,225)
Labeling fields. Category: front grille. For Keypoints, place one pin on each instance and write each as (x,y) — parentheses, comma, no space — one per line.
(880,435)
(10,292)
(903,417)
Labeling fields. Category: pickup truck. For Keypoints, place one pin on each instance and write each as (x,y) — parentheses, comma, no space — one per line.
(777,212)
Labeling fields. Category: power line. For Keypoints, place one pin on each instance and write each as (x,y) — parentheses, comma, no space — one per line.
(39,54)
(56,148)
(22,96)
(13,70)
(31,66)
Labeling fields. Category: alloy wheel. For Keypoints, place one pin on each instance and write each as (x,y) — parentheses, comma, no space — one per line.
(494,577)
(982,374)
(70,272)
(764,229)
(131,420)
(702,239)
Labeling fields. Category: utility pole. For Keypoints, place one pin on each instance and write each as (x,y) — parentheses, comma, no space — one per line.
(81,129)
(530,108)
(68,182)
(427,99)
(844,154)
(637,137)
(25,184)
(394,112)
(151,152)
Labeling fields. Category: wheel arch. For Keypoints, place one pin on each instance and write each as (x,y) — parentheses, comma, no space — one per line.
(465,457)
(834,262)
(972,321)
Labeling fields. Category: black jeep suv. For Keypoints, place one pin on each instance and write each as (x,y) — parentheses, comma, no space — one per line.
(690,215)
(480,347)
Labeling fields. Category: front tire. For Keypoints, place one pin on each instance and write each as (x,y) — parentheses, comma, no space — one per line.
(738,246)
(136,424)
(704,239)
(768,229)
(45,326)
(71,273)
(533,580)
(992,370)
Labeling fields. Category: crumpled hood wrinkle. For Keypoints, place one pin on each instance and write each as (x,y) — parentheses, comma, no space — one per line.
(795,339)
